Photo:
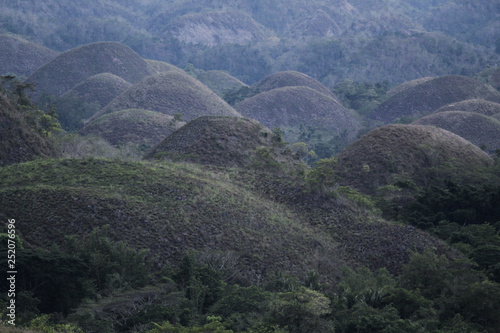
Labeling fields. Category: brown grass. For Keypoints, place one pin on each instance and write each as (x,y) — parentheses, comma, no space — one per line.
(423,154)
(430,95)
(473,105)
(407,85)
(170,93)
(220,82)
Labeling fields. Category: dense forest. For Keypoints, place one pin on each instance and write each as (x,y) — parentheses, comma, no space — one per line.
(250,166)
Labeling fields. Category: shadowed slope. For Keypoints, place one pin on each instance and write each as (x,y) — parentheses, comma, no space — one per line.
(74,66)
(140,127)
(20,57)
(171,93)
(220,82)
(473,105)
(481,130)
(430,95)
(300,106)
(422,154)
(223,141)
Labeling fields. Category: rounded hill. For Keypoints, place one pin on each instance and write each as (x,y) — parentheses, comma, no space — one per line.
(159,67)
(171,93)
(220,82)
(21,57)
(422,154)
(223,141)
(473,105)
(139,127)
(481,130)
(430,95)
(300,106)
(290,79)
(76,65)
(407,85)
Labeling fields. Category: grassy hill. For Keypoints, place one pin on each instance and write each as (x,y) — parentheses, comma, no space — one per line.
(481,130)
(473,105)
(291,79)
(21,57)
(300,107)
(76,65)
(170,93)
(21,135)
(407,85)
(430,95)
(225,141)
(139,127)
(159,67)
(424,155)
(220,82)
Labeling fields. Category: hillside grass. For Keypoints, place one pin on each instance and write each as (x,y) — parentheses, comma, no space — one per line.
(473,105)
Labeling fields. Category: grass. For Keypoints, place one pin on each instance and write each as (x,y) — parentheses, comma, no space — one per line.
(220,82)
(473,105)
(170,93)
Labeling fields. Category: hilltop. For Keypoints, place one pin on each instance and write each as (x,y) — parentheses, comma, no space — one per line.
(473,105)
(300,106)
(225,141)
(424,155)
(21,57)
(291,79)
(142,128)
(76,65)
(481,130)
(430,95)
(220,82)
(170,93)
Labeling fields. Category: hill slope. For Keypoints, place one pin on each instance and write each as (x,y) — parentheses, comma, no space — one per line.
(481,130)
(20,57)
(170,93)
(223,141)
(76,65)
(220,82)
(140,127)
(430,95)
(423,154)
(473,105)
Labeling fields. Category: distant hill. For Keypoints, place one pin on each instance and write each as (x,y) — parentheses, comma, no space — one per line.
(159,67)
(320,25)
(407,85)
(473,105)
(21,57)
(214,28)
(139,127)
(481,130)
(225,141)
(423,154)
(430,95)
(220,82)
(76,65)
(171,93)
(291,79)
(20,138)
(300,106)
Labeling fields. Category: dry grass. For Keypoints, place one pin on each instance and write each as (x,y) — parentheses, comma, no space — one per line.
(407,85)
(220,82)
(423,154)
(291,79)
(430,95)
(171,93)
(76,65)
(481,130)
(300,106)
(159,67)
(139,127)
(20,56)
(473,105)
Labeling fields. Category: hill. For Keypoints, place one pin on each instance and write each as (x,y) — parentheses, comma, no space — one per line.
(142,128)
(158,67)
(421,154)
(430,95)
(225,141)
(481,130)
(290,79)
(170,93)
(76,65)
(21,57)
(220,82)
(269,225)
(213,28)
(300,107)
(473,105)
(21,135)
(407,85)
